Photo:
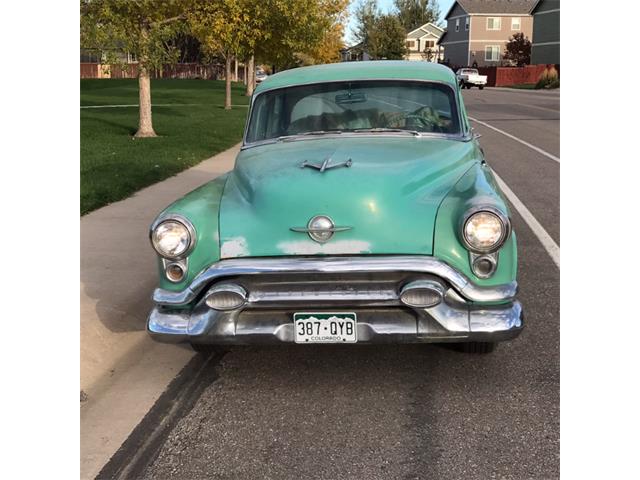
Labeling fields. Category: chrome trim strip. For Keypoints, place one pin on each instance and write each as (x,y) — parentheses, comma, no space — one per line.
(313,265)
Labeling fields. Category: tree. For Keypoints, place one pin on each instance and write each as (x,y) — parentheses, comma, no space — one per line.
(428,54)
(143,28)
(414,13)
(294,27)
(518,50)
(366,13)
(387,38)
(225,28)
(327,50)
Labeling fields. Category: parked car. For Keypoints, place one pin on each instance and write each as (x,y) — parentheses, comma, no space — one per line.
(260,75)
(360,209)
(469,77)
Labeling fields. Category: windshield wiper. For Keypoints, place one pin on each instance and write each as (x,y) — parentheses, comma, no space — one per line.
(387,130)
(311,133)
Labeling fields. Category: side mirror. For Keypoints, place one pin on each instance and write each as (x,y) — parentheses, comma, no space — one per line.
(475,134)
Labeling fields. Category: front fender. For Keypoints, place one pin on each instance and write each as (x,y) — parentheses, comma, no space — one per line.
(476,188)
(201,207)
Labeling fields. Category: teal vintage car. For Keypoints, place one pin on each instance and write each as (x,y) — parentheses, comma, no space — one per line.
(360,209)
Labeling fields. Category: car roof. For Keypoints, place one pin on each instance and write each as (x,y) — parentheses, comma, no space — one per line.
(364,70)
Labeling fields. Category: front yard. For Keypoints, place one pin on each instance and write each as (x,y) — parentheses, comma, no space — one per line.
(188,116)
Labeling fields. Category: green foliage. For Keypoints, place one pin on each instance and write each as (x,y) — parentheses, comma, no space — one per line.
(518,50)
(113,165)
(291,27)
(381,35)
(387,38)
(366,13)
(141,27)
(548,79)
(414,13)
(225,27)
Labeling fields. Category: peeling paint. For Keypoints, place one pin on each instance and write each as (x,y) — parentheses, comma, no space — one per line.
(307,247)
(234,247)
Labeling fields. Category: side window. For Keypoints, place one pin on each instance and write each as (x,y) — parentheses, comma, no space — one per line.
(494,23)
(515,23)
(492,53)
(466,23)
(457,24)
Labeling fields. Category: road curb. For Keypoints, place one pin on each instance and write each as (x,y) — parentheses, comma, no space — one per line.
(118,270)
(122,371)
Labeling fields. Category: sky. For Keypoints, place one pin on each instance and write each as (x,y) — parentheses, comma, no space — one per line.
(385,6)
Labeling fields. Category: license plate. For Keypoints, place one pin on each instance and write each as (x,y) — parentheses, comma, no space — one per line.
(325,327)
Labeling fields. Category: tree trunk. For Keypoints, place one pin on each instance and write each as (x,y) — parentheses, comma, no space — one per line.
(145,127)
(244,72)
(251,77)
(227,80)
(235,73)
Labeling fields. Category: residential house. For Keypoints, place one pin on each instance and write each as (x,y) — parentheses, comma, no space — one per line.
(545,46)
(354,53)
(422,43)
(478,30)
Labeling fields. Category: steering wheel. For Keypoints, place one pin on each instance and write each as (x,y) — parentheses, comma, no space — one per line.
(415,120)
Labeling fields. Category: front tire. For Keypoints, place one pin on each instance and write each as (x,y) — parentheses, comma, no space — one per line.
(481,87)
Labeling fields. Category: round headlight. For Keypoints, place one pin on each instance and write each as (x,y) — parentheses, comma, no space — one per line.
(484,231)
(171,238)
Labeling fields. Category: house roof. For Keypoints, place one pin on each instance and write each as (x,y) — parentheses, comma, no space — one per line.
(552,4)
(370,70)
(522,7)
(426,29)
(441,39)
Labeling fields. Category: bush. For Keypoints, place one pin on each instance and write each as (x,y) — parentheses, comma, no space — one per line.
(548,79)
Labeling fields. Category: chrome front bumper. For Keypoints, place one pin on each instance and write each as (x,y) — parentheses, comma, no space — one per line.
(368,286)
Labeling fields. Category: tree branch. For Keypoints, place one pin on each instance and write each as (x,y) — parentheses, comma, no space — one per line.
(168,20)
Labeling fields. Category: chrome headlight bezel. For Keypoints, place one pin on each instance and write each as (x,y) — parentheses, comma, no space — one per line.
(190,229)
(504,222)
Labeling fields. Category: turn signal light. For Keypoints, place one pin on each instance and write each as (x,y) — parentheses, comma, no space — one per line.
(226,297)
(421,294)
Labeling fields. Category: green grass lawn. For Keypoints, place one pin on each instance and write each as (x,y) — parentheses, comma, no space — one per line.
(114,165)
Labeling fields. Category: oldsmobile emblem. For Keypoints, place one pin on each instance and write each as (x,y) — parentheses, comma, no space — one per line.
(320,228)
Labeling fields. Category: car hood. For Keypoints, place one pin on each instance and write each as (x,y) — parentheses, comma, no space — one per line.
(389,196)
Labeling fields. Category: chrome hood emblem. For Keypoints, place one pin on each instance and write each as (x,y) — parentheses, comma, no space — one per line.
(320,228)
(325,164)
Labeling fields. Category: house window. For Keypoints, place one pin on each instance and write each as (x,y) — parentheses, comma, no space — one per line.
(466,23)
(457,24)
(429,43)
(494,23)
(515,23)
(411,44)
(492,53)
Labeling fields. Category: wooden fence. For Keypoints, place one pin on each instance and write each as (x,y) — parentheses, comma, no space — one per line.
(180,70)
(506,76)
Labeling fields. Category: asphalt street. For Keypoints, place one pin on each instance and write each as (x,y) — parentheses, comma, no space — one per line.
(397,411)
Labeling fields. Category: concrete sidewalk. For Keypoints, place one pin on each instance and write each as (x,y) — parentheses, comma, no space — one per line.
(123,372)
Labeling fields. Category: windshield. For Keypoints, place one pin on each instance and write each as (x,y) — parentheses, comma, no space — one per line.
(359,106)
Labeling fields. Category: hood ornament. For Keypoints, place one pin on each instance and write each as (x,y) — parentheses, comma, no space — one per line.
(325,164)
(320,228)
